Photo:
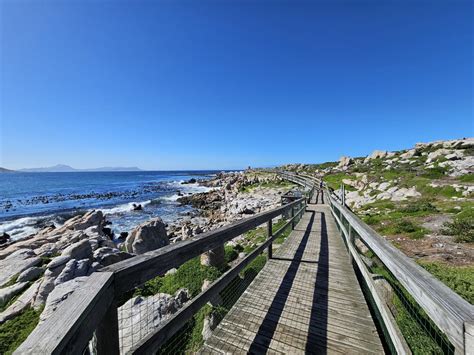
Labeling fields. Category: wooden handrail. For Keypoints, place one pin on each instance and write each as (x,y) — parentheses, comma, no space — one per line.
(71,326)
(446,309)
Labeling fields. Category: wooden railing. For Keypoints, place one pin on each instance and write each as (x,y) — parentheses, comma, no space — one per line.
(450,313)
(92,309)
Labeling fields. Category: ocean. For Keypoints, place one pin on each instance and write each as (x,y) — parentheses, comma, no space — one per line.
(30,201)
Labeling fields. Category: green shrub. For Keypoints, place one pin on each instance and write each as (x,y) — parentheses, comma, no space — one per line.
(419,206)
(462,228)
(436,172)
(459,279)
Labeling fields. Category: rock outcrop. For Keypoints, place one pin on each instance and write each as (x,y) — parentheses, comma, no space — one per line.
(148,236)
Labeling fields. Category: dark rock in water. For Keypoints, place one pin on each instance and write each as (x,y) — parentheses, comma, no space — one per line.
(137,207)
(108,232)
(5,238)
(190,181)
(179,193)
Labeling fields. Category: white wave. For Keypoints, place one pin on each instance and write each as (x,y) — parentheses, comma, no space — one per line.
(21,227)
(126,207)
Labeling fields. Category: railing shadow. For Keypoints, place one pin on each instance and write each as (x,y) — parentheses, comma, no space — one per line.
(316,341)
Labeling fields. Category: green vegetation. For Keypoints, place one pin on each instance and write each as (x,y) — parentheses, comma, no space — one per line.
(410,318)
(268,185)
(436,172)
(462,226)
(459,278)
(421,205)
(13,332)
(334,181)
(190,275)
(466,178)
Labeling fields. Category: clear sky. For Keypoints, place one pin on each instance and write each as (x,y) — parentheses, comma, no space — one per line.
(227,84)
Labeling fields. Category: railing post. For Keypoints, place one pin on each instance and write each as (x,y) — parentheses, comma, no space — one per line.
(469,337)
(269,235)
(350,240)
(292,217)
(107,332)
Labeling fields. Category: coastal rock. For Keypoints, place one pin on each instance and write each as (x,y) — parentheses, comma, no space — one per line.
(108,256)
(214,257)
(79,250)
(92,218)
(23,301)
(17,262)
(58,261)
(140,316)
(376,154)
(30,274)
(344,162)
(7,293)
(148,236)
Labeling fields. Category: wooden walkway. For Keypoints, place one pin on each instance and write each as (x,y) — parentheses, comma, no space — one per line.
(305,300)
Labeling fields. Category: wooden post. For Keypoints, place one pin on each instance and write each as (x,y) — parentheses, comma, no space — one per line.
(292,215)
(269,235)
(350,241)
(107,332)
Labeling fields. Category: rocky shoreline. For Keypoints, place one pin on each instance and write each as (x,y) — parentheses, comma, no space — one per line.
(43,269)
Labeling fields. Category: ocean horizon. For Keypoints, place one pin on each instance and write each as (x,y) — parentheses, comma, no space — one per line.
(30,201)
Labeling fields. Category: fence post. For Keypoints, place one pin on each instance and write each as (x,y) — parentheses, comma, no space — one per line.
(292,217)
(107,332)
(350,240)
(269,235)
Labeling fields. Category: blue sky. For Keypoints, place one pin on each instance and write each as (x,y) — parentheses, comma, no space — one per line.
(227,84)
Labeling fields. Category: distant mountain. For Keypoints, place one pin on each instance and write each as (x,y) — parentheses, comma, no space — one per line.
(3,170)
(61,168)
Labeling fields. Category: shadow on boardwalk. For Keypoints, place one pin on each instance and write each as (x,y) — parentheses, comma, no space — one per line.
(316,341)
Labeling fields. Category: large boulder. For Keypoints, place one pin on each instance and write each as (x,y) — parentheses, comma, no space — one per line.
(148,236)
(345,162)
(377,154)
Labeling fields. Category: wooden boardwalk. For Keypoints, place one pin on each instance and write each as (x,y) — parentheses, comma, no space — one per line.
(305,300)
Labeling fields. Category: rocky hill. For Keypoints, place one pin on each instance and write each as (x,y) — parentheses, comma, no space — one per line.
(422,199)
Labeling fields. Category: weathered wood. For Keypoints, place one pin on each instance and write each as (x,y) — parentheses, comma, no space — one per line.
(299,303)
(269,235)
(390,324)
(151,342)
(71,326)
(107,332)
(469,337)
(135,271)
(445,308)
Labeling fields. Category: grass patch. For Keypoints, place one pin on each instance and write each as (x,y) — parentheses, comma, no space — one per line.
(419,207)
(268,185)
(14,331)
(334,181)
(190,275)
(459,279)
(466,178)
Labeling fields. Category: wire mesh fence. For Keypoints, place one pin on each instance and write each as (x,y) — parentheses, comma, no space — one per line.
(142,312)
(418,330)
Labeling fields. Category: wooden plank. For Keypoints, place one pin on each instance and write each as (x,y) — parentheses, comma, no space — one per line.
(390,324)
(446,309)
(64,331)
